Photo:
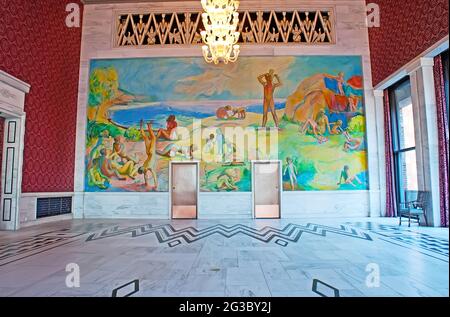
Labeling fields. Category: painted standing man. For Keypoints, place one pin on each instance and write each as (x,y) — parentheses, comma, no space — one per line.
(269,87)
(150,149)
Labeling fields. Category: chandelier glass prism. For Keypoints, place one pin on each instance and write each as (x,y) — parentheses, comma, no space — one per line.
(220,20)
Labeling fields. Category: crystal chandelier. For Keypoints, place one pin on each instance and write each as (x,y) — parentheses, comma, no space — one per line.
(220,37)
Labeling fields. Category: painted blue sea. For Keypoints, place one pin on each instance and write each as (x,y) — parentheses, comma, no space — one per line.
(158,113)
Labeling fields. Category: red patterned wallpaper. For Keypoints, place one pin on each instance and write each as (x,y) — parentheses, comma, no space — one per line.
(38,48)
(408,28)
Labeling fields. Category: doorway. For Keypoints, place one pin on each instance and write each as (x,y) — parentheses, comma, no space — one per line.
(12,99)
(184,189)
(266,189)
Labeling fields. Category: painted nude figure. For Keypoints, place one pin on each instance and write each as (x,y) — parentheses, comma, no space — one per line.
(340,78)
(119,148)
(337,127)
(348,177)
(170,132)
(103,162)
(318,126)
(226,112)
(351,143)
(173,149)
(228,179)
(241,113)
(269,87)
(150,149)
(292,171)
(126,169)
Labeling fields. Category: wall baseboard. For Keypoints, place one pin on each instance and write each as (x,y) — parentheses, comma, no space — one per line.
(27,207)
(218,206)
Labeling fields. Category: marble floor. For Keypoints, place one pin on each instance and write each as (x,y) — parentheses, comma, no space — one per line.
(279,258)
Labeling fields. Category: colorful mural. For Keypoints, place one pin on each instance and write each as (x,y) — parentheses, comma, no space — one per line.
(143,113)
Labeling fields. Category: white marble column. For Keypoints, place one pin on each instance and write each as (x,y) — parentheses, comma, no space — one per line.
(373,157)
(379,115)
(427,148)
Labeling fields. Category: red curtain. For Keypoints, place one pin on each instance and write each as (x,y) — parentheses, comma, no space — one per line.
(442,126)
(389,159)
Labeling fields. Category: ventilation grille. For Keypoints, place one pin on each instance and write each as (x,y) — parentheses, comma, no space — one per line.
(147,29)
(47,207)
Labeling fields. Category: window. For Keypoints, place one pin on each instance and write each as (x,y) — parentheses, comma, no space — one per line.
(404,142)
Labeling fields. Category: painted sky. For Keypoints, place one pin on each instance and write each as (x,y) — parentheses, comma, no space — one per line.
(189,79)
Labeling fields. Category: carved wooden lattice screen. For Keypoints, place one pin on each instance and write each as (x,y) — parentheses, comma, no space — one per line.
(256,27)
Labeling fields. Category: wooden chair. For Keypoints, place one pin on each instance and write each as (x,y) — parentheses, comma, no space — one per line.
(414,206)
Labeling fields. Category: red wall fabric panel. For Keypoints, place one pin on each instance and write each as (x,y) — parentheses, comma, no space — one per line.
(407,28)
(37,47)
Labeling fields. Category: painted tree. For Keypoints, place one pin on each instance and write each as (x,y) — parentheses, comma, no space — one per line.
(103,88)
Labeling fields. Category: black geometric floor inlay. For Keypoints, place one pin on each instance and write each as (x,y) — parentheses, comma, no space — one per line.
(398,235)
(166,233)
(324,286)
(128,289)
(36,244)
(30,246)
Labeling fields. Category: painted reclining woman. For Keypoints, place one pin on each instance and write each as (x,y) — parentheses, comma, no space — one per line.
(110,167)
(102,169)
(170,133)
(103,164)
(227,179)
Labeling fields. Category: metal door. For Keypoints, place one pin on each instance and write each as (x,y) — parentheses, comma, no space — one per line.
(267,189)
(184,190)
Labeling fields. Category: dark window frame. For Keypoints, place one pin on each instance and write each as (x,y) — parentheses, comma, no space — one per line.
(396,149)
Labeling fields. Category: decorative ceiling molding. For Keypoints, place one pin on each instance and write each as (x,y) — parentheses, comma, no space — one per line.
(144,29)
(126,1)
